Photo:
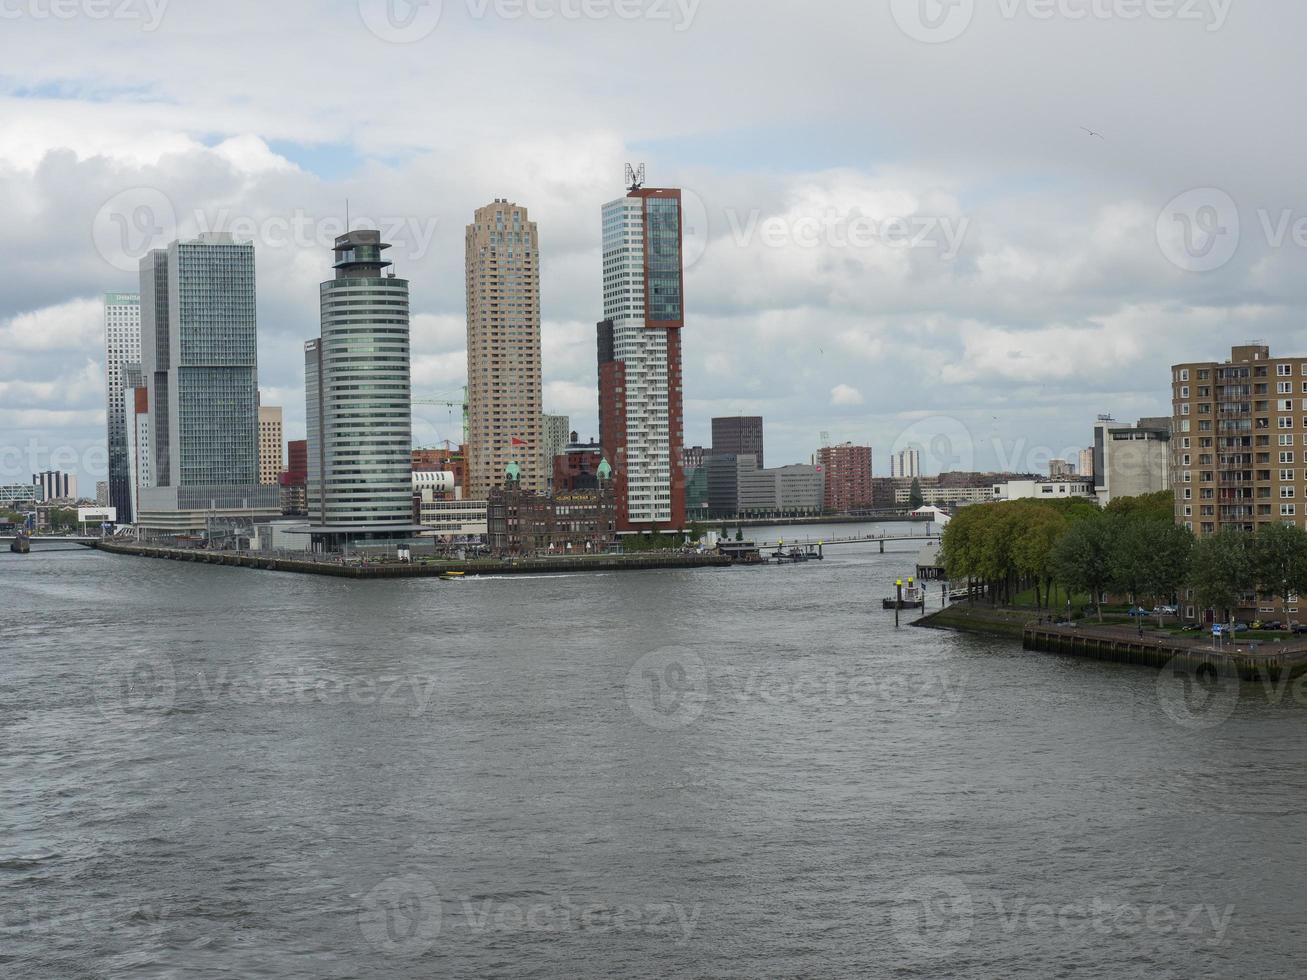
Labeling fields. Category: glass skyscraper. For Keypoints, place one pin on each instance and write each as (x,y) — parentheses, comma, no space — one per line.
(122,345)
(358,401)
(199,352)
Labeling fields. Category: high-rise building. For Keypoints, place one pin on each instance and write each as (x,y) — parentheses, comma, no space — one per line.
(136,409)
(1085,464)
(502,261)
(102,493)
(847,470)
(556,433)
(122,345)
(359,402)
(1061,469)
(270,445)
(199,354)
(1239,441)
(55,485)
(905,464)
(738,436)
(639,340)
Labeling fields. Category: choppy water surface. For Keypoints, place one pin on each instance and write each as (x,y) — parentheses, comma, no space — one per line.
(213,772)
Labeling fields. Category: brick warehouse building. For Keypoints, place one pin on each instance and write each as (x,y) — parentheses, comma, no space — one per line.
(848,477)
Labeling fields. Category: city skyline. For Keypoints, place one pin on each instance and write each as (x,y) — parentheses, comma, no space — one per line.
(1040,320)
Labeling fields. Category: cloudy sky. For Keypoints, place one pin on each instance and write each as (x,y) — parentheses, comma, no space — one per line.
(901,230)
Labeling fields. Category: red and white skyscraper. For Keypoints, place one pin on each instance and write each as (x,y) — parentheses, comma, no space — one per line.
(640,401)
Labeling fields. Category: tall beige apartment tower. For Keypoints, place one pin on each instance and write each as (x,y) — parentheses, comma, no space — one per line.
(503,349)
(271,455)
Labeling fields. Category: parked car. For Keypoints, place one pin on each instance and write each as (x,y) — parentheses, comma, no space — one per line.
(1137,611)
(1167,610)
(1299,629)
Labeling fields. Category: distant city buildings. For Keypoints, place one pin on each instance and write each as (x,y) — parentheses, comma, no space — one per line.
(358,402)
(735,486)
(270,445)
(502,262)
(293,481)
(694,457)
(122,345)
(55,485)
(1085,464)
(784,491)
(102,493)
(555,434)
(1061,469)
(199,356)
(740,435)
(639,346)
(905,464)
(847,477)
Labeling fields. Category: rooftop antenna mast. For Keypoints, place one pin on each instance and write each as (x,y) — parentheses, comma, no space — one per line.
(347,215)
(634,177)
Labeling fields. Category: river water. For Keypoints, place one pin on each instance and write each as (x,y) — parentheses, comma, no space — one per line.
(213,772)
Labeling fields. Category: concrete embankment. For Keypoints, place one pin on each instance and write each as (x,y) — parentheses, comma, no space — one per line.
(373,569)
(1251,661)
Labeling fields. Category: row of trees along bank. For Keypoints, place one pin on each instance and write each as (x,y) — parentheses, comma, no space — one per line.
(1133,548)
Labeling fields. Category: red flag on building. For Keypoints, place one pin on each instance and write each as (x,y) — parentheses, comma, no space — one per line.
(518,442)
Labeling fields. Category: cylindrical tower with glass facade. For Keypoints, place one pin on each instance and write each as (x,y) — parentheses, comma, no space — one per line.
(358,400)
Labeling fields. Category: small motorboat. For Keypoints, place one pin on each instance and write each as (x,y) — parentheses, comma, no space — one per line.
(22,543)
(912,597)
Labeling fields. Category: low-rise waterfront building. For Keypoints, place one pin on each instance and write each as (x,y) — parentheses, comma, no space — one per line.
(1044,490)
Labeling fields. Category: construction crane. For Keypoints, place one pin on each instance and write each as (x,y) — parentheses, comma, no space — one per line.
(449,403)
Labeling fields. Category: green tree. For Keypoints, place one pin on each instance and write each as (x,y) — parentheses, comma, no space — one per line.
(1279,557)
(915,499)
(1169,548)
(1082,558)
(1032,550)
(1158,507)
(1221,570)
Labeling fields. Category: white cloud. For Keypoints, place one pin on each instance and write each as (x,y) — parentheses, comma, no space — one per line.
(845,395)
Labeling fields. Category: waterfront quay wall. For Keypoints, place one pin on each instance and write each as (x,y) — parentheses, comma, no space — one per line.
(382,570)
